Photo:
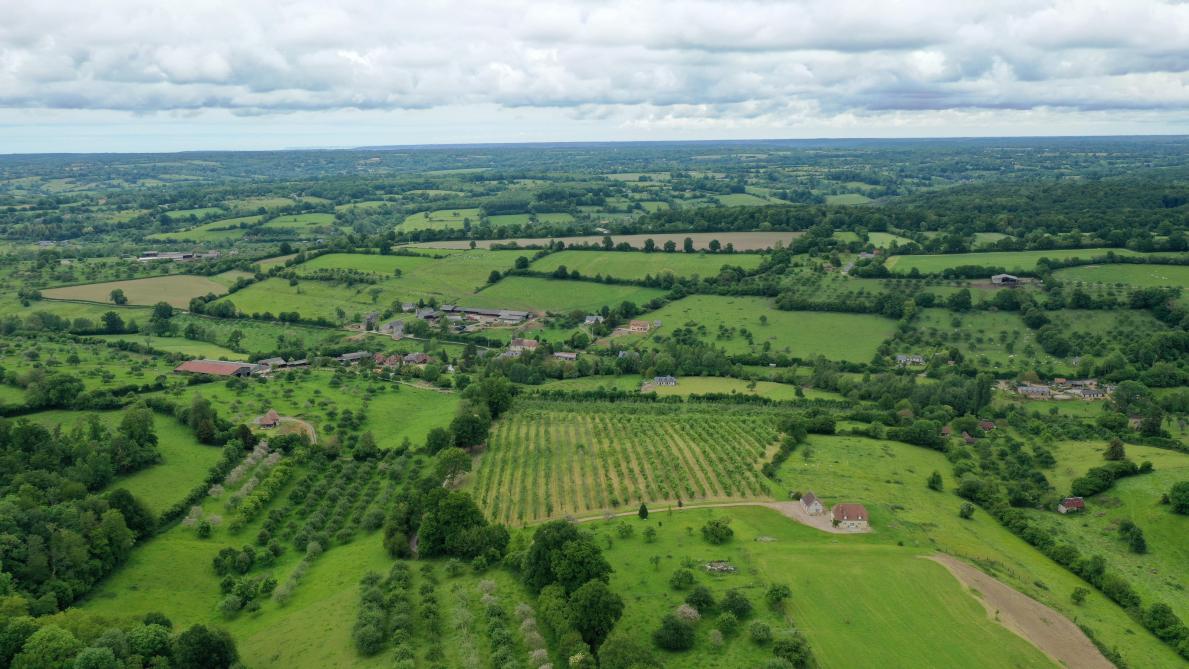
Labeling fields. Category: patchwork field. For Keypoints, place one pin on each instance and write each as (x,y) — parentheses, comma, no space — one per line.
(176,289)
(554,459)
(638,265)
(1012,261)
(802,334)
(533,294)
(743,241)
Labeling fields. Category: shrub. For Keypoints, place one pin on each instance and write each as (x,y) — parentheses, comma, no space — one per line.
(674,634)
(718,531)
(687,613)
(681,579)
(736,603)
(759,632)
(701,599)
(727,623)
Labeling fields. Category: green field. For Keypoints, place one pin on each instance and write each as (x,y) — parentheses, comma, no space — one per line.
(636,266)
(444,219)
(1140,276)
(366,263)
(882,240)
(186,213)
(222,229)
(176,289)
(189,347)
(846,236)
(533,294)
(302,222)
(705,385)
(523,219)
(802,334)
(847,198)
(1012,261)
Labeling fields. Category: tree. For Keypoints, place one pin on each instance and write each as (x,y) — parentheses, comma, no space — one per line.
(777,594)
(718,531)
(650,534)
(50,647)
(437,439)
(112,323)
(562,554)
(674,634)
(643,512)
(136,515)
(959,301)
(687,245)
(521,262)
(1078,596)
(966,511)
(471,426)
(681,579)
(494,277)
(621,651)
(54,390)
(935,481)
(794,649)
(451,462)
(202,648)
(1115,450)
(96,658)
(701,599)
(737,603)
(118,297)
(1179,498)
(596,609)
(759,632)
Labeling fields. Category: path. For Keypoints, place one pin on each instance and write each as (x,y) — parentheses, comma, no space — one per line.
(305,426)
(792,510)
(1051,632)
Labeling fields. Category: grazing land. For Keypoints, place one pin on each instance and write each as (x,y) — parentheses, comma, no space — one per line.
(636,266)
(743,241)
(1012,261)
(176,289)
(1140,276)
(533,294)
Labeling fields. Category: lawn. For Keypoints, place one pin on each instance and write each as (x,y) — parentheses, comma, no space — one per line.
(638,265)
(1140,276)
(727,322)
(176,289)
(1012,261)
(533,294)
(444,219)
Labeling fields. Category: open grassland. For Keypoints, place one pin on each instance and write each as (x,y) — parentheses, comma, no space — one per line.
(408,413)
(227,228)
(533,294)
(728,322)
(889,479)
(187,347)
(553,459)
(882,240)
(444,219)
(639,265)
(1161,574)
(377,264)
(524,219)
(1012,261)
(176,289)
(840,584)
(743,241)
(366,205)
(1139,276)
(302,222)
(847,198)
(186,213)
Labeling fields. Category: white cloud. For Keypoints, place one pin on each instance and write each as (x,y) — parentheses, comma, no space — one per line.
(668,63)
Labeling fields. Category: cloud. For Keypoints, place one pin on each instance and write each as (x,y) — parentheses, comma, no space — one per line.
(671,63)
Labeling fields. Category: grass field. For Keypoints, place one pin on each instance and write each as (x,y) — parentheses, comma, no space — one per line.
(186,213)
(638,265)
(1140,276)
(552,459)
(444,219)
(840,584)
(882,240)
(1012,261)
(366,263)
(194,349)
(523,219)
(408,413)
(533,294)
(704,385)
(176,289)
(743,241)
(222,229)
(802,334)
(302,222)
(847,198)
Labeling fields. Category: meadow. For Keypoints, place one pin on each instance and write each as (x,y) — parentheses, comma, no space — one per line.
(175,289)
(302,222)
(377,264)
(533,294)
(1011,261)
(97,366)
(1139,276)
(188,347)
(803,334)
(635,266)
(743,241)
(882,240)
(444,219)
(215,231)
(525,219)
(553,459)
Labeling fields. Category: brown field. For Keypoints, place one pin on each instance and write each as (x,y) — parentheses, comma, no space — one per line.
(743,241)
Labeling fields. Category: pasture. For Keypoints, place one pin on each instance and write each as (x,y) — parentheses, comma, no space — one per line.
(443,219)
(1011,261)
(215,231)
(637,265)
(175,289)
(553,459)
(847,198)
(533,294)
(187,347)
(743,241)
(882,240)
(527,219)
(1138,276)
(707,385)
(302,222)
(377,264)
(750,324)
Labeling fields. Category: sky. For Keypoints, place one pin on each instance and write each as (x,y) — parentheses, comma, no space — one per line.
(170,75)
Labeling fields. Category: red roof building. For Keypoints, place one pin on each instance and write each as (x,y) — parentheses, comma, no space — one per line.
(1071,504)
(270,419)
(214,368)
(986,425)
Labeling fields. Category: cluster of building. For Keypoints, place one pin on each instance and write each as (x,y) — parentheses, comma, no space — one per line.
(847,515)
(967,438)
(177,256)
(518,347)
(233,368)
(460,318)
(905,360)
(1065,389)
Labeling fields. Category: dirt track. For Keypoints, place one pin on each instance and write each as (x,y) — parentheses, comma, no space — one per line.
(1054,634)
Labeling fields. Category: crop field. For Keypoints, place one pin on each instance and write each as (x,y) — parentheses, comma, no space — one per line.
(176,289)
(1012,261)
(889,479)
(803,334)
(533,294)
(839,584)
(638,265)
(743,241)
(554,459)
(444,219)
(1139,276)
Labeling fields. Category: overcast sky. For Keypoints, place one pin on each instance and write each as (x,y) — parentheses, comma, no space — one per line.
(143,75)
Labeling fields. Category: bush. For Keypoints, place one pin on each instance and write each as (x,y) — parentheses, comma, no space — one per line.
(701,599)
(674,634)
(727,623)
(794,649)
(687,613)
(759,632)
(736,603)
(718,531)
(681,579)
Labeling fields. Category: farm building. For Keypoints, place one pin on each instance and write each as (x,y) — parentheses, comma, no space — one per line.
(371,321)
(524,345)
(215,368)
(986,425)
(1034,391)
(593,319)
(1089,393)
(639,326)
(811,504)
(946,430)
(416,359)
(566,355)
(270,419)
(1071,504)
(408,307)
(906,360)
(664,381)
(1005,280)
(850,516)
(353,357)
(394,328)
(272,363)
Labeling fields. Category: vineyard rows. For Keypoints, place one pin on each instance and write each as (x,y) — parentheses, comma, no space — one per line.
(550,460)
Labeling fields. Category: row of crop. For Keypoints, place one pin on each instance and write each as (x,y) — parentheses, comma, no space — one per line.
(263,494)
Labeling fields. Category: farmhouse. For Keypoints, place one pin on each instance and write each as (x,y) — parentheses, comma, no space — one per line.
(1089,393)
(664,381)
(408,307)
(1034,391)
(215,368)
(946,430)
(850,516)
(811,504)
(394,328)
(593,319)
(1005,280)
(416,359)
(566,355)
(906,360)
(523,345)
(270,419)
(272,363)
(1071,504)
(353,357)
(371,321)
(986,425)
(639,326)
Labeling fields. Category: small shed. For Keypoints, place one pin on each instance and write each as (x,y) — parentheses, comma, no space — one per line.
(270,419)
(1071,505)
(811,504)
